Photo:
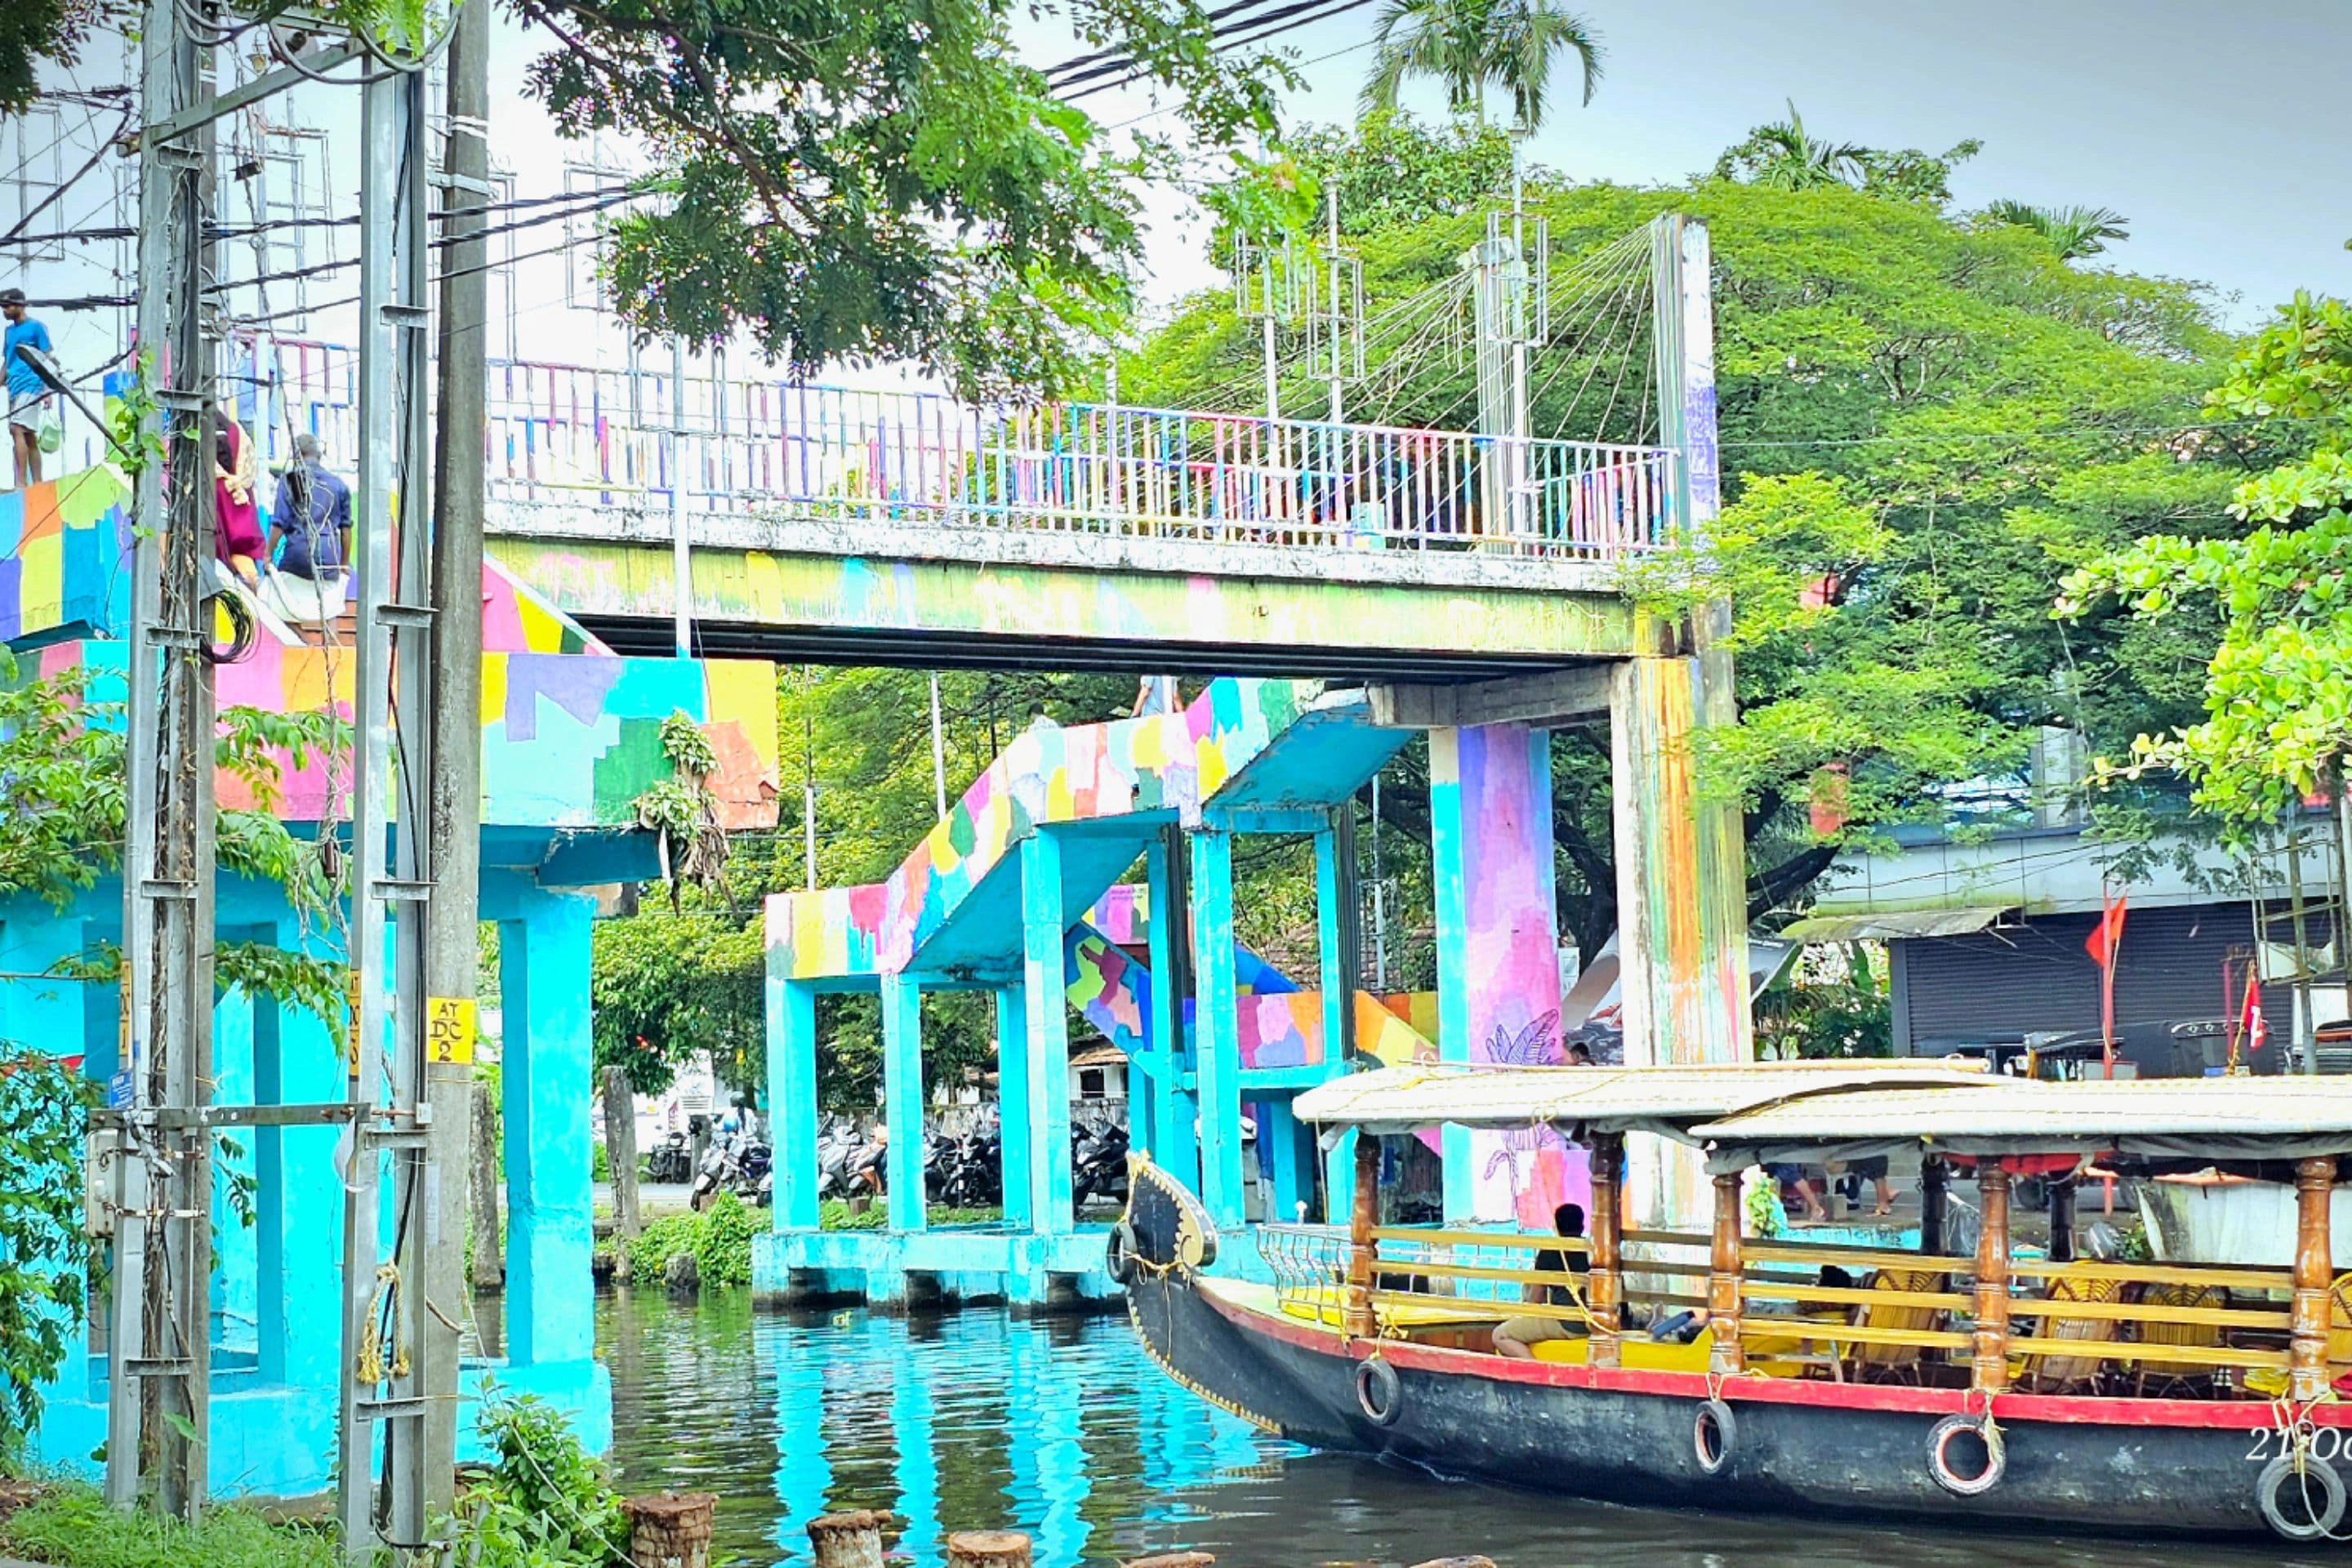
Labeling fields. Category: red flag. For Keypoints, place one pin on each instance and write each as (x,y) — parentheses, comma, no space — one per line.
(2253,1029)
(2105,939)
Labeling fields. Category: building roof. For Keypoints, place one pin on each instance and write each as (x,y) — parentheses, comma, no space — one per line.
(1665,1099)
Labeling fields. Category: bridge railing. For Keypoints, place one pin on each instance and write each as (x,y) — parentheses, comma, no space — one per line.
(575,436)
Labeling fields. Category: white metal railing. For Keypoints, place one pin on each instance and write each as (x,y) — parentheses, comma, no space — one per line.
(580,437)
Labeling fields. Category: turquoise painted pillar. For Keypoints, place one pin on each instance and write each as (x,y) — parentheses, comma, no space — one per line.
(298,1234)
(792,1100)
(39,1012)
(1013,1106)
(235,1307)
(917,1472)
(1498,994)
(1216,1024)
(902,1097)
(1339,1180)
(544,1073)
(1044,990)
(1335,973)
(1174,1142)
(1291,1145)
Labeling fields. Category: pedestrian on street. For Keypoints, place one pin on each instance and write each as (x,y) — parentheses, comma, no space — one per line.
(28,395)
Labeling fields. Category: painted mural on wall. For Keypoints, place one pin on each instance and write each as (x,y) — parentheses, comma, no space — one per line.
(64,555)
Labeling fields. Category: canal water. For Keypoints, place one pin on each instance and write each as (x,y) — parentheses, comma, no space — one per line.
(1063,1428)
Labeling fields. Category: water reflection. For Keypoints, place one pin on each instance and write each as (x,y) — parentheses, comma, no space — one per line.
(1062,1428)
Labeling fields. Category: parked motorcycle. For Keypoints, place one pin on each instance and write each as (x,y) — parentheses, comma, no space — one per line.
(742,1164)
(1098,1164)
(670,1160)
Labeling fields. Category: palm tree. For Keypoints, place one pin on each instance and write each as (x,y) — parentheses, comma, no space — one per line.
(2072,232)
(1469,46)
(1785,157)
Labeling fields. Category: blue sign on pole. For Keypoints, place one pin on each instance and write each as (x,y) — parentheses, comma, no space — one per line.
(118,1090)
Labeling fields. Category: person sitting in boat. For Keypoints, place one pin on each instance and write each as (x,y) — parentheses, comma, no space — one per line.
(1685,1326)
(1517,1337)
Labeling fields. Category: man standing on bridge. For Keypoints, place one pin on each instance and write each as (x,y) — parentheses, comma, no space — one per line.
(28,395)
(313,514)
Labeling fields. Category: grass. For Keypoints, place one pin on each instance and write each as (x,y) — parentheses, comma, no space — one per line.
(69,1523)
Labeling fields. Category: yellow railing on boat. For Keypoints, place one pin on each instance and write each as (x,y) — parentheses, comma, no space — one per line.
(1459,1282)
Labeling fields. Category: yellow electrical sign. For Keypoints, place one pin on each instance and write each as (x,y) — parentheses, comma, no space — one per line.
(450,1030)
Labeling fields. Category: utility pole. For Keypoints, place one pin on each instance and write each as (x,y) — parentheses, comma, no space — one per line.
(159,1397)
(452,954)
(388,1373)
(681,563)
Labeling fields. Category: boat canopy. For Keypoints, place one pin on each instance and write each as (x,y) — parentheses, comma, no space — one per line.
(1664,1100)
(2219,1119)
(1772,1112)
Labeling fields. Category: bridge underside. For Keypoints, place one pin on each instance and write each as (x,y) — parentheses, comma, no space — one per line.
(929,596)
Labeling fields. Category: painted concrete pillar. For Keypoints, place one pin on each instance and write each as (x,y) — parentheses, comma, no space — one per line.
(1174,1142)
(298,1241)
(1291,1145)
(41,1012)
(1682,933)
(1216,1025)
(902,1098)
(1334,932)
(235,1309)
(1340,1179)
(1013,1106)
(543,973)
(792,1100)
(1498,992)
(1044,989)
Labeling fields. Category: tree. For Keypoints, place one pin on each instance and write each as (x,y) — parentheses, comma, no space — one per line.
(42,1246)
(2074,232)
(32,31)
(1924,424)
(2277,690)
(1470,45)
(1784,156)
(664,985)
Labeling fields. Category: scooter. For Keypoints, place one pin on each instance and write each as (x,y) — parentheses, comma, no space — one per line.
(670,1160)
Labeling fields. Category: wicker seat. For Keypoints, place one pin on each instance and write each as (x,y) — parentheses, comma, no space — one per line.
(1895,1363)
(2042,1373)
(2179,1376)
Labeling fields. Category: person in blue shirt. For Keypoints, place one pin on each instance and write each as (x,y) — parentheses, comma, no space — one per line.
(28,395)
(313,515)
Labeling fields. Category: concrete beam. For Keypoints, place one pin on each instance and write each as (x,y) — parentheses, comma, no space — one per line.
(1550,699)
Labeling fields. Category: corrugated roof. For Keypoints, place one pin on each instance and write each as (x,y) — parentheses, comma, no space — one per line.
(1402,1099)
(1894,925)
(2087,1110)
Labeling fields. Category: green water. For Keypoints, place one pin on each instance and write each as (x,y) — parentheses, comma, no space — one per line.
(1062,1428)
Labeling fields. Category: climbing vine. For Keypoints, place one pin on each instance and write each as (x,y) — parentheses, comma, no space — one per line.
(42,1249)
(682,811)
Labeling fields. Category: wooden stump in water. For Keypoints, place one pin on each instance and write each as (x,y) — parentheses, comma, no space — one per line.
(847,1540)
(670,1530)
(988,1549)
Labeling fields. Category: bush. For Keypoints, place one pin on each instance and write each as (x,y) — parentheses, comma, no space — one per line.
(719,1238)
(72,1524)
(547,1502)
(41,1244)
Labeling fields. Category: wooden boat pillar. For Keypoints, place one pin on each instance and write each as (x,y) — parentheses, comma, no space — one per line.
(2315,1181)
(1991,1349)
(1603,1280)
(1356,1317)
(1727,1359)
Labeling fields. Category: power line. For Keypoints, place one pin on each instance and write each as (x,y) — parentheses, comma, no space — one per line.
(1254,30)
(1077,62)
(271,226)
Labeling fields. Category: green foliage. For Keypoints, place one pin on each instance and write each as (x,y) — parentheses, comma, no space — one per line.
(547,1501)
(1832,1003)
(1398,172)
(1925,420)
(33,31)
(1785,157)
(848,180)
(719,1238)
(41,1243)
(684,812)
(1467,47)
(2277,690)
(663,985)
(71,1523)
(2074,232)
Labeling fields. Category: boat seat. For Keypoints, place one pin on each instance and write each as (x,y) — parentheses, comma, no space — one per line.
(2045,1374)
(2170,1376)
(2273,1384)
(1896,1363)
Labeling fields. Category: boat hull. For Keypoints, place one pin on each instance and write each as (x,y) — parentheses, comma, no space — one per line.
(2138,1466)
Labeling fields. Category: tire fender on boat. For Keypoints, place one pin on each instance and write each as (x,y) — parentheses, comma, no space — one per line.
(2319,1488)
(1379,1395)
(1939,1454)
(1118,1253)
(1715,1436)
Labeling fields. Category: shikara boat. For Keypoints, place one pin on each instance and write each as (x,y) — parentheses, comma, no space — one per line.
(2012,1387)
